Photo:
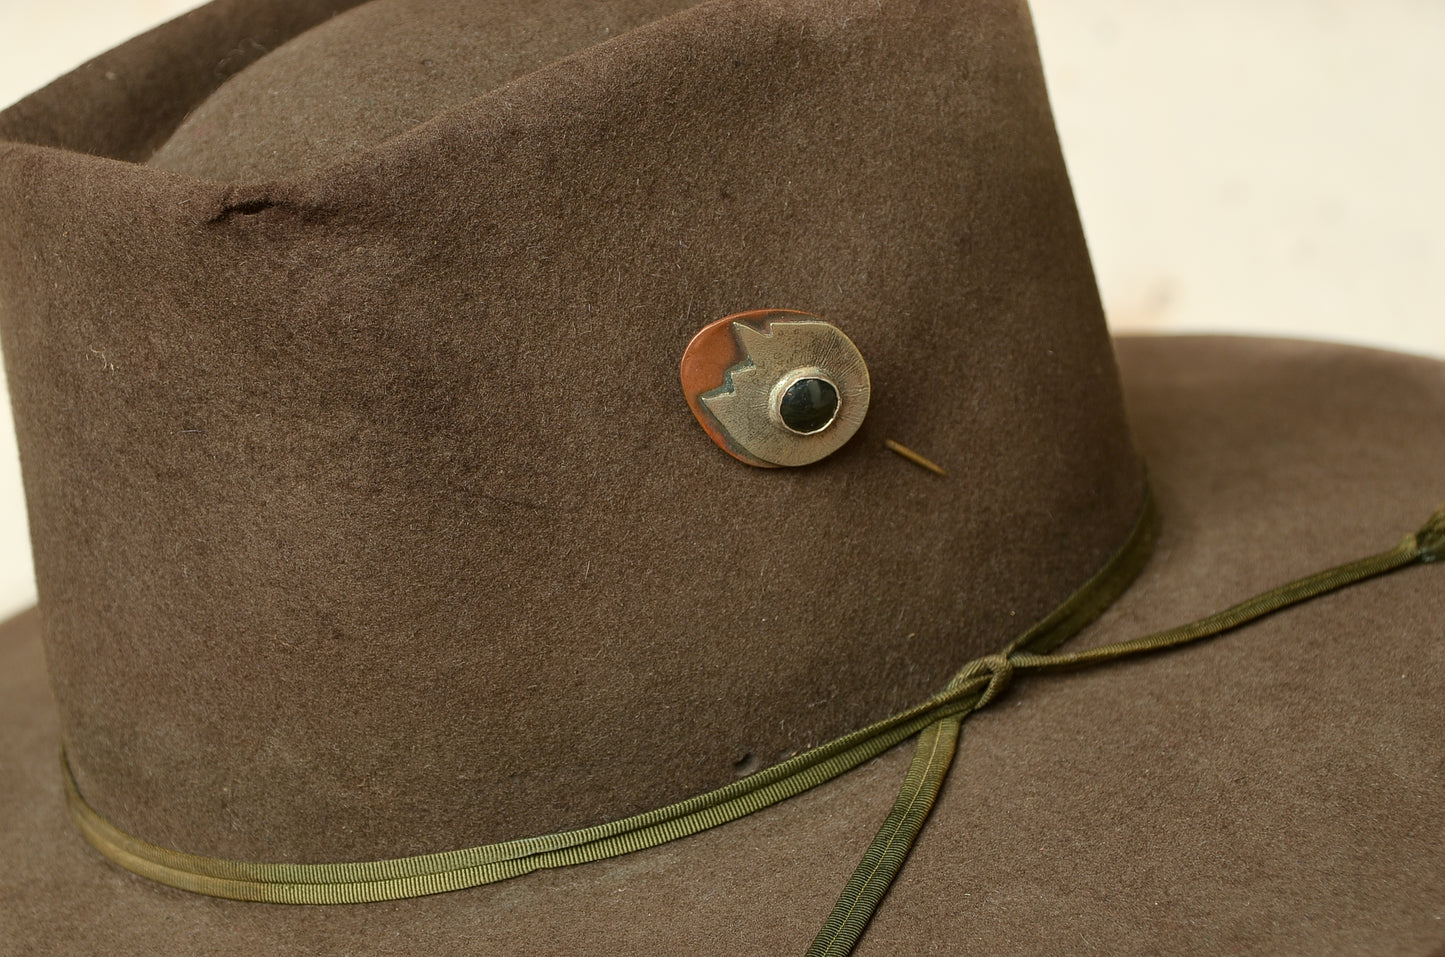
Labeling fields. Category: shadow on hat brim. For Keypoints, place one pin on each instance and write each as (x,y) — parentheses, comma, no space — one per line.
(1275,790)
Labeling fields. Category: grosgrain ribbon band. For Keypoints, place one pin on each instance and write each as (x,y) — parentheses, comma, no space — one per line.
(362,882)
(936,722)
(936,746)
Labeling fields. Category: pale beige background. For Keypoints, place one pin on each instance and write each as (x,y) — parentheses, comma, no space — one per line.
(1260,166)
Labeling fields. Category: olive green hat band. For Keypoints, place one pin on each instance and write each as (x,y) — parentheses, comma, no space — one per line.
(935,749)
(936,722)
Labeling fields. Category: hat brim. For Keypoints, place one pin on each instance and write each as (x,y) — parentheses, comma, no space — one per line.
(1275,790)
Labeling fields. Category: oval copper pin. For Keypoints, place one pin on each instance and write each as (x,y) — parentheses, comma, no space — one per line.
(775,387)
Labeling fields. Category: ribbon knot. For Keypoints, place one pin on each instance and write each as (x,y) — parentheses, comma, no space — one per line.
(1430,540)
(1000,671)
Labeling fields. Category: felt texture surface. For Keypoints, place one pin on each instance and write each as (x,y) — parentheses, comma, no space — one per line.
(337,90)
(126,103)
(1274,791)
(369,518)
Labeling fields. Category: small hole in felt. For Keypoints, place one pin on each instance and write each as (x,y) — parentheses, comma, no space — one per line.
(243,207)
(250,207)
(745,765)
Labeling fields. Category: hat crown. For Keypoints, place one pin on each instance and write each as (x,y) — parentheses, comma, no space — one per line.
(369,516)
(378,71)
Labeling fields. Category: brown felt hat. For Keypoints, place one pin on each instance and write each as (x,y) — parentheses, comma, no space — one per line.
(396,596)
